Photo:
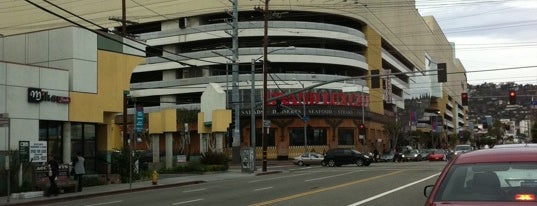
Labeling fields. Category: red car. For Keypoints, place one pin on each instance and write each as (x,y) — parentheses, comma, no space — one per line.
(437,155)
(506,176)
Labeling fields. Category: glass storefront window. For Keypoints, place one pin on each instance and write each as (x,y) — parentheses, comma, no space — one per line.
(51,132)
(345,136)
(271,142)
(76,131)
(315,136)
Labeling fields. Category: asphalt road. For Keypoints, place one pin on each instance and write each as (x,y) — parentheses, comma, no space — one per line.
(383,184)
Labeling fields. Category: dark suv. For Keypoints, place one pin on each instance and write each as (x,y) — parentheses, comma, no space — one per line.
(343,156)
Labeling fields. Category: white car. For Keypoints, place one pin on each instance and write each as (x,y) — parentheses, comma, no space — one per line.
(462,148)
(309,158)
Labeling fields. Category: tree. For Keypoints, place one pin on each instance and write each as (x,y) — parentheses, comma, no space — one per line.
(497,130)
(393,129)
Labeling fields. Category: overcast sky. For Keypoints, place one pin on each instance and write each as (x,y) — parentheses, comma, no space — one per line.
(490,35)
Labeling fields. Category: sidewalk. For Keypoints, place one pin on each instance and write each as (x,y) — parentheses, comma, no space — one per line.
(165,180)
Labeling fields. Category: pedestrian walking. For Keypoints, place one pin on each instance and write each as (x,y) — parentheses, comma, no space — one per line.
(53,171)
(80,170)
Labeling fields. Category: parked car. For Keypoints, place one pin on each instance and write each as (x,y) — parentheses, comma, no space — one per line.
(506,176)
(343,156)
(309,158)
(462,148)
(386,157)
(437,155)
(425,153)
(411,155)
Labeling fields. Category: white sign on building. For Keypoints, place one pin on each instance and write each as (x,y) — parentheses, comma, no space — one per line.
(38,151)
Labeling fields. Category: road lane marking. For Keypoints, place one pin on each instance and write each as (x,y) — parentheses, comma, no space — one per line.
(269,179)
(326,177)
(106,203)
(189,201)
(265,188)
(196,190)
(323,189)
(391,191)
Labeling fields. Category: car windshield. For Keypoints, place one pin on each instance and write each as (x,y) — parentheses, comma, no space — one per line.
(489,182)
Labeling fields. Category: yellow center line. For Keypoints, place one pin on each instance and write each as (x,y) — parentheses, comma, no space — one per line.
(322,190)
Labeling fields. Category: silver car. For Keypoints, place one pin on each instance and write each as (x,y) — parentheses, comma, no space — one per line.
(309,158)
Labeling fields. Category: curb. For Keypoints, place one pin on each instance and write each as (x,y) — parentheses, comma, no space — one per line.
(267,173)
(59,199)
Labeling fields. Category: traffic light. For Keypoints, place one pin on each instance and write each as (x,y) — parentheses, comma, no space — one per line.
(361,133)
(512,97)
(464,98)
(442,72)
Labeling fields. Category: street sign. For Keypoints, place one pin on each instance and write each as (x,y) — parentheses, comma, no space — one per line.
(266,123)
(139,119)
(24,151)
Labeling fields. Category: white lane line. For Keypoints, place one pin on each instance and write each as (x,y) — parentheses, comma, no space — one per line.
(326,177)
(106,203)
(265,188)
(178,203)
(391,191)
(254,181)
(196,190)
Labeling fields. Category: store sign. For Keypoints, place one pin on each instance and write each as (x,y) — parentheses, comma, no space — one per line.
(139,119)
(327,98)
(37,95)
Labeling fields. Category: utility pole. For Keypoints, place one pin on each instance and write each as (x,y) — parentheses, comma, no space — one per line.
(123,18)
(265,90)
(252,114)
(235,98)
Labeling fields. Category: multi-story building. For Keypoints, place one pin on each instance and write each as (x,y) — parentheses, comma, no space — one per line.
(339,63)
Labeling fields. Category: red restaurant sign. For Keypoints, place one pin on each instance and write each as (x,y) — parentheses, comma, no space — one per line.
(322,98)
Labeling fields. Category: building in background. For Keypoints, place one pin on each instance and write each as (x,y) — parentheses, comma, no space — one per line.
(354,56)
(65,87)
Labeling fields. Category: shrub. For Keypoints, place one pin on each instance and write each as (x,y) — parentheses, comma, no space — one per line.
(214,158)
(120,164)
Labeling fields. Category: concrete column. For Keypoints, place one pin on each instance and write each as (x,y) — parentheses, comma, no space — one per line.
(169,149)
(219,142)
(204,144)
(66,140)
(155,147)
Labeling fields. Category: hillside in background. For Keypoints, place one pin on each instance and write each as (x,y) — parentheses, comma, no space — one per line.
(493,99)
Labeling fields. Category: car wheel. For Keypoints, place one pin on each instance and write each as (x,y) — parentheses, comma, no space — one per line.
(323,163)
(331,163)
(359,162)
(300,163)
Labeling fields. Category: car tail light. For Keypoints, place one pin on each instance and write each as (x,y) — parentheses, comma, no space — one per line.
(525,197)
